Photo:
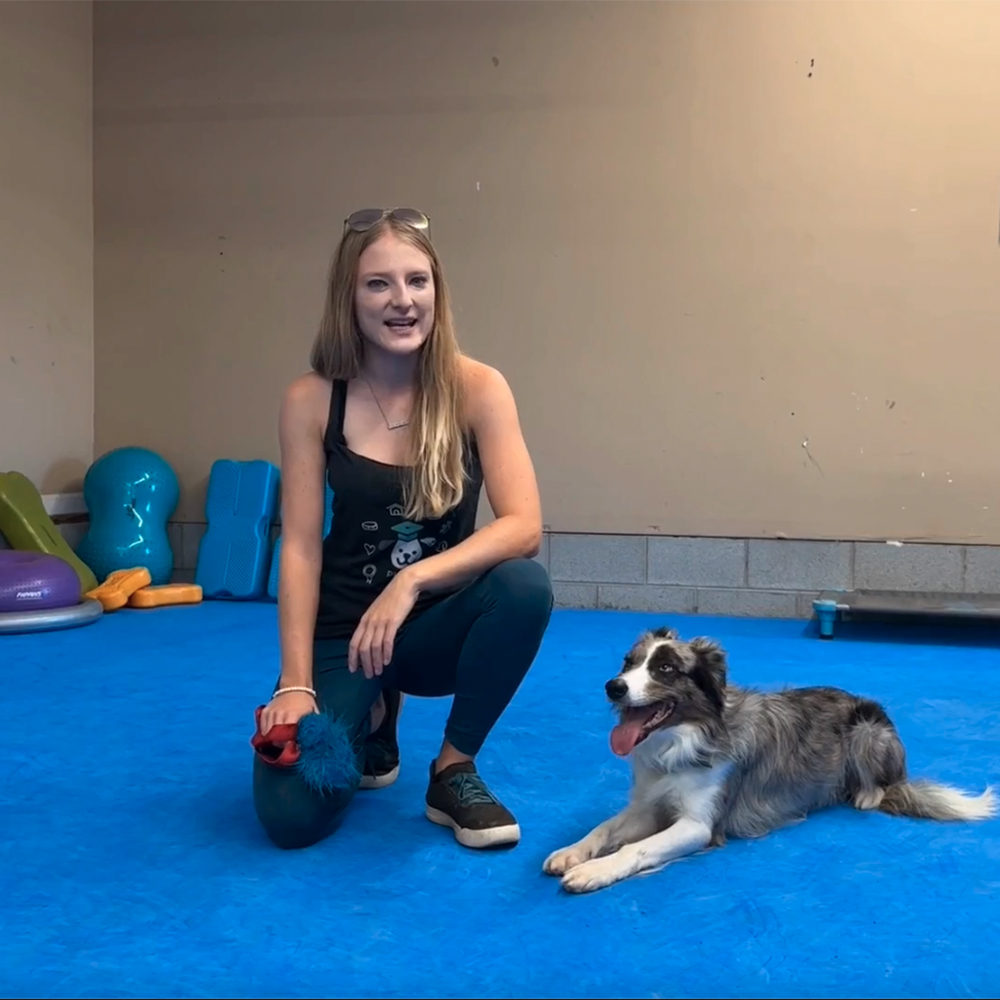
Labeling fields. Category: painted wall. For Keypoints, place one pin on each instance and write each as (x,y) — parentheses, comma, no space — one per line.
(46,242)
(739,261)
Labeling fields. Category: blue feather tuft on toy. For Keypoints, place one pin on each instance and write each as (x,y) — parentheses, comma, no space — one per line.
(328,762)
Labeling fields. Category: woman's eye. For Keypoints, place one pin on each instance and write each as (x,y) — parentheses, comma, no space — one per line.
(375,284)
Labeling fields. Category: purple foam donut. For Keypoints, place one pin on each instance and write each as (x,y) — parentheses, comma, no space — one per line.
(35,581)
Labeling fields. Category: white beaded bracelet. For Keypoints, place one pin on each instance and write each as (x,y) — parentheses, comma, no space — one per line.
(288,690)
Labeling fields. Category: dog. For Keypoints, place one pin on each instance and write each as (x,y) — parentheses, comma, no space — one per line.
(712,760)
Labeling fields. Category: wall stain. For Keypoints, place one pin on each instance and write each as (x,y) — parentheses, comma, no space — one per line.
(812,458)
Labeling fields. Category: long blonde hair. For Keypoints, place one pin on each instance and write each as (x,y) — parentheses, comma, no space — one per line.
(436,480)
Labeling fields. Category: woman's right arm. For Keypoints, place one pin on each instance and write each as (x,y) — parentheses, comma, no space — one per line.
(303,472)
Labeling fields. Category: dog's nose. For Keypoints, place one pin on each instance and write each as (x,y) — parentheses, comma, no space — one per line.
(616,689)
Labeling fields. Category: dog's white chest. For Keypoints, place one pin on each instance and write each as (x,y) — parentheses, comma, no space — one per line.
(692,792)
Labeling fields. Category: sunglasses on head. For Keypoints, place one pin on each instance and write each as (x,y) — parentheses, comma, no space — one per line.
(363,220)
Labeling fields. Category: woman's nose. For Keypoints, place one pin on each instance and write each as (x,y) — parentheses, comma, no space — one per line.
(401,298)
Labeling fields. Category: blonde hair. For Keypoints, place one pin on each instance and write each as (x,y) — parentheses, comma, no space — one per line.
(436,480)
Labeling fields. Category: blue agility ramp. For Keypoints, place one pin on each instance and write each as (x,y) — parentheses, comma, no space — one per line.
(234,555)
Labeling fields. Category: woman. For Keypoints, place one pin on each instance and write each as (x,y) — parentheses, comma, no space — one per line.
(403,595)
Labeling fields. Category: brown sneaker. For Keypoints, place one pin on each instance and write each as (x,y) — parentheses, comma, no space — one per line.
(458,797)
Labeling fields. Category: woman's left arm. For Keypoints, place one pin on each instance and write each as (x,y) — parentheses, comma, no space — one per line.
(511,487)
(512,490)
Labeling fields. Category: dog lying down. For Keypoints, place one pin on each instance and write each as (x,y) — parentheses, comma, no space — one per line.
(711,760)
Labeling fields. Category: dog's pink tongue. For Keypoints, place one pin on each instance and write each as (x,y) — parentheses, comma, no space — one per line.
(626,734)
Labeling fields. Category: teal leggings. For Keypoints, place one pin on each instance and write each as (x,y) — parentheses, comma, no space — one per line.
(476,644)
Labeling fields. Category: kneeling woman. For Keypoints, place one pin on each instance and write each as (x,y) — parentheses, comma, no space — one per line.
(403,595)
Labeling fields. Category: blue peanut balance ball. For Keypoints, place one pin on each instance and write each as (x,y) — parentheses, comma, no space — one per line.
(131,494)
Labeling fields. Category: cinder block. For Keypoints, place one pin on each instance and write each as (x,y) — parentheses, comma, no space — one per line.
(804,604)
(192,536)
(646,597)
(747,603)
(543,552)
(574,595)
(916,567)
(799,565)
(598,558)
(73,533)
(698,562)
(175,532)
(982,569)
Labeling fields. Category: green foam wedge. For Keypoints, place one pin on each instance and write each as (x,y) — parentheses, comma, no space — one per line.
(27,526)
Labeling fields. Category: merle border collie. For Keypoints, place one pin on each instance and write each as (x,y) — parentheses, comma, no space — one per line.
(711,760)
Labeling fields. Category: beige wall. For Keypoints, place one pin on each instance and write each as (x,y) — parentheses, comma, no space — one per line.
(738,260)
(46,242)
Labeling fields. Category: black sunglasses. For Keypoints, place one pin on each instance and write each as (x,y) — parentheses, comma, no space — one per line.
(363,220)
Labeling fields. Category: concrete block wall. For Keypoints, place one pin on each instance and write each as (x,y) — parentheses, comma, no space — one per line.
(723,576)
(764,578)
(752,577)
(184,540)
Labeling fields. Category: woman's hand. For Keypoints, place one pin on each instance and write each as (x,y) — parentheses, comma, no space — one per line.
(286,709)
(372,642)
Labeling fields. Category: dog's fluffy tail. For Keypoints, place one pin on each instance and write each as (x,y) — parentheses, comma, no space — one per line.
(928,800)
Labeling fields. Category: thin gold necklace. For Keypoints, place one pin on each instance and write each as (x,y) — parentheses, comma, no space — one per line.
(393,427)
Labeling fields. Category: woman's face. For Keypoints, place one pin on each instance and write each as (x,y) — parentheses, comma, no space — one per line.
(394,297)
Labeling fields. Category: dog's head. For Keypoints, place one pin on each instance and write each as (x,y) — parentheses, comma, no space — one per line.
(664,682)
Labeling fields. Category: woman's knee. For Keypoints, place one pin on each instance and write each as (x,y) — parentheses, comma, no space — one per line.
(522,587)
(291,813)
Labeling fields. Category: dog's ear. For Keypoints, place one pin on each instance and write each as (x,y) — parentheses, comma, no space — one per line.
(666,633)
(710,657)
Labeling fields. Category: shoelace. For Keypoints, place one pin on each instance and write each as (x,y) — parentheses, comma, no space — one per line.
(471,790)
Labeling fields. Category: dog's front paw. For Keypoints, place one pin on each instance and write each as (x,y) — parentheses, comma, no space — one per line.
(592,875)
(560,862)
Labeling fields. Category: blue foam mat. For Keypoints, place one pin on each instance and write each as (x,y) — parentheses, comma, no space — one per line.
(234,554)
(142,871)
(272,580)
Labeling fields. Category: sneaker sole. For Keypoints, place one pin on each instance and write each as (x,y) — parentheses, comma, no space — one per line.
(372,781)
(497,836)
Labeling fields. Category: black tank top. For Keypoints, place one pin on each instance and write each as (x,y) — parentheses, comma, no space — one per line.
(370,539)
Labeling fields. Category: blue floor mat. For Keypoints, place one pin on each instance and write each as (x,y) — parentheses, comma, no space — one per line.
(132,865)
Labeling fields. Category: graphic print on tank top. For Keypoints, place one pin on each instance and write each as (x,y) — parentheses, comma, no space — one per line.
(410,543)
